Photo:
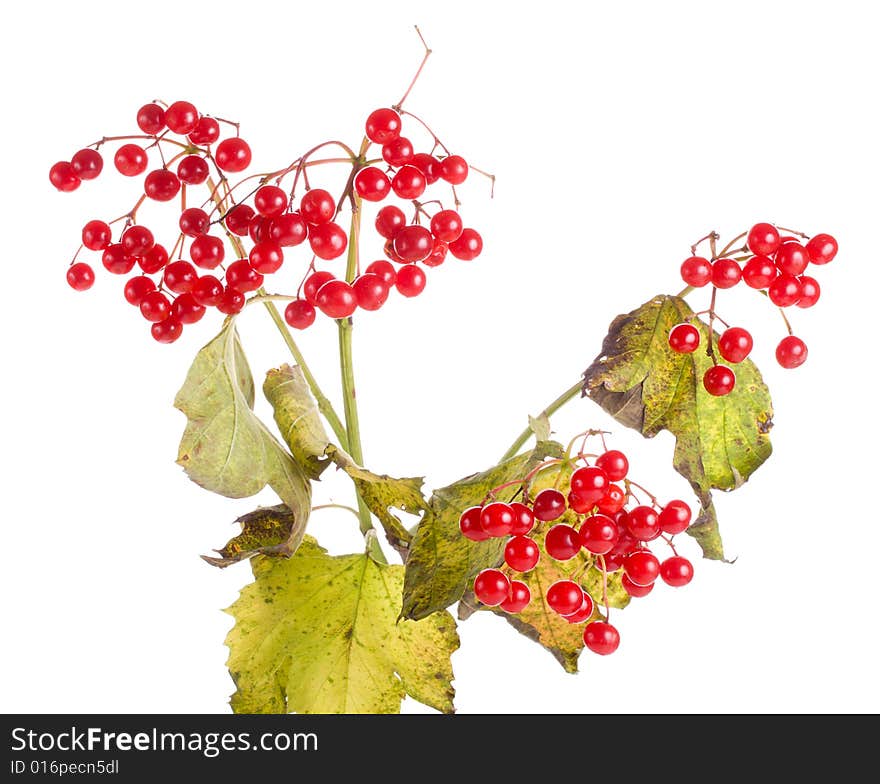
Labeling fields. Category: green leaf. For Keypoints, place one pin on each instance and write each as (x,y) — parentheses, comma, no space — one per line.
(442,562)
(643,384)
(225,447)
(317,633)
(265,531)
(296,413)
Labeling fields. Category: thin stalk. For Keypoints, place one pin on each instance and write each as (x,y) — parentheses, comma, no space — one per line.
(551,409)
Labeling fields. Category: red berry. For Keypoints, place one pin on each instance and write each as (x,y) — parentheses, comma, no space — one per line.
(137,288)
(562,542)
(266,257)
(643,523)
(601,637)
(370,290)
(453,169)
(810,291)
(299,314)
(80,276)
(398,151)
(642,567)
(270,200)
(383,125)
(468,246)
(413,243)
(792,258)
(180,276)
(821,248)
(151,118)
(181,117)
(491,587)
(193,221)
(675,517)
(496,518)
(288,230)
(241,276)
(763,239)
(207,291)
(389,220)
(384,269)
(259,227)
(735,344)
(518,598)
(634,589)
(116,260)
(785,290)
(238,219)
(726,273)
(154,260)
(719,380)
(96,235)
(549,504)
(613,501)
(327,240)
(684,338)
(87,163)
(233,155)
(186,309)
(192,170)
(696,271)
(759,272)
(584,612)
(63,177)
(521,553)
(523,518)
(166,331)
(409,182)
(470,526)
(598,534)
(317,206)
(207,251)
(314,282)
(161,185)
(614,463)
(410,281)
(446,225)
(372,184)
(137,240)
(336,299)
(565,597)
(428,165)
(676,571)
(207,131)
(130,160)
(791,352)
(437,255)
(154,306)
(231,302)
(590,483)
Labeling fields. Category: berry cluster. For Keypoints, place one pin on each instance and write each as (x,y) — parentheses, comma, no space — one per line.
(171,290)
(596,517)
(770,262)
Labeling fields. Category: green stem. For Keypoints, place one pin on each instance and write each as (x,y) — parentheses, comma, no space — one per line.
(551,409)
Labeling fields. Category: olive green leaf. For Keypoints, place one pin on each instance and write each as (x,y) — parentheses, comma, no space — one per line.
(441,561)
(643,384)
(265,531)
(317,633)
(225,447)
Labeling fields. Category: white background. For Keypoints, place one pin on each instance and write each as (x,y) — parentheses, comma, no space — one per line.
(619,134)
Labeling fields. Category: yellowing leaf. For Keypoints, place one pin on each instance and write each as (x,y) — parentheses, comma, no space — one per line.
(317,633)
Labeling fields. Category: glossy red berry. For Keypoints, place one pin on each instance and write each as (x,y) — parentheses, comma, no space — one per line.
(446,225)
(428,165)
(193,221)
(266,257)
(470,526)
(63,177)
(389,220)
(549,504)
(116,260)
(151,118)
(523,518)
(259,227)
(643,523)
(821,248)
(792,258)
(590,483)
(233,154)
(166,331)
(186,309)
(521,553)
(207,131)
(684,338)
(696,271)
(468,246)
(759,272)
(328,240)
(130,160)
(598,534)
(763,239)
(676,571)
(491,587)
(397,151)
(675,517)
(317,206)
(270,200)
(299,314)
(583,612)
(242,277)
(372,184)
(565,597)
(562,542)
(409,182)
(642,567)
(87,163)
(613,500)
(181,117)
(383,125)
(154,306)
(384,269)
(719,380)
(411,280)
(207,291)
(370,290)
(413,243)
(137,240)
(791,352)
(785,290)
(437,255)
(453,169)
(192,170)
(601,637)
(314,282)
(336,299)
(735,344)
(496,518)
(80,276)
(726,273)
(810,291)
(518,598)
(634,589)
(161,185)
(288,229)
(180,276)
(207,251)
(238,219)
(614,463)
(154,260)
(96,235)
(231,302)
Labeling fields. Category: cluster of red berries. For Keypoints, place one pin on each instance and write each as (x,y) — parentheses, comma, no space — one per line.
(607,525)
(171,291)
(771,263)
